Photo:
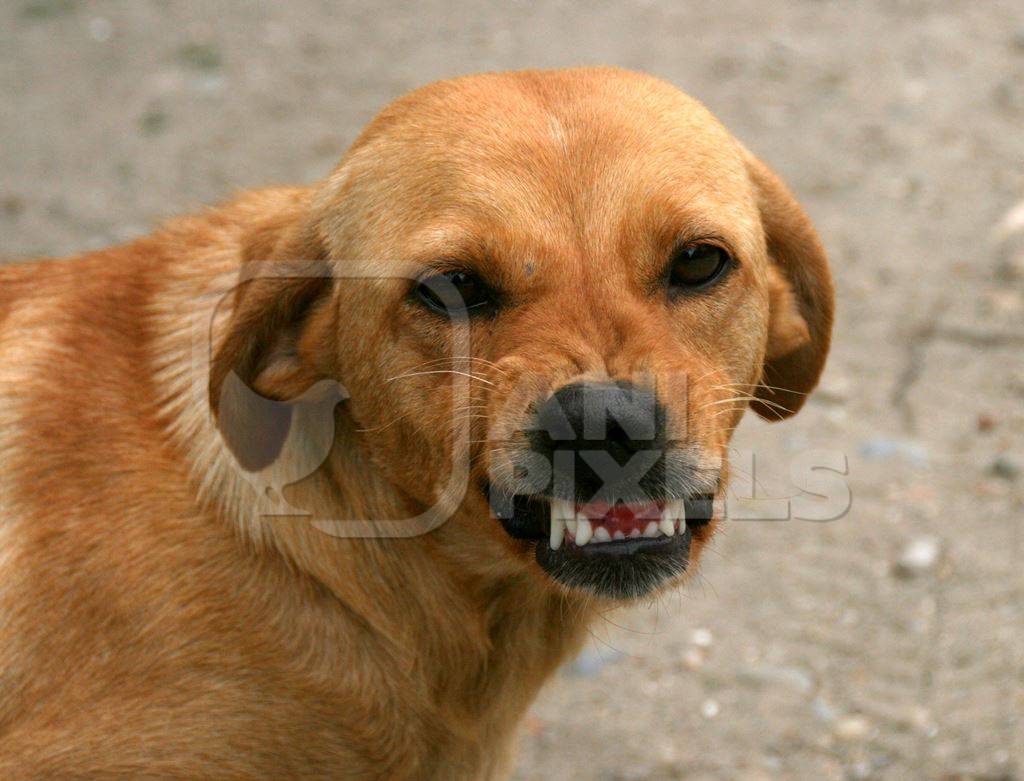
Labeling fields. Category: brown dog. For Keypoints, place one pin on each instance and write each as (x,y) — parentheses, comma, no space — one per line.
(552,291)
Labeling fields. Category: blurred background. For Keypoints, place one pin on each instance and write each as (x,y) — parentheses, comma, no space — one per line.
(887,644)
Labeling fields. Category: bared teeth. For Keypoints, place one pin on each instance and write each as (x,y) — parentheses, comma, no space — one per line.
(567,522)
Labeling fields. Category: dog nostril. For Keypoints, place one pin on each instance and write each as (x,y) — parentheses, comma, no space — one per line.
(618,417)
(618,440)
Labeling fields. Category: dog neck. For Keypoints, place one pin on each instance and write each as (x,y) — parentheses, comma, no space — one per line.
(451,607)
(460,641)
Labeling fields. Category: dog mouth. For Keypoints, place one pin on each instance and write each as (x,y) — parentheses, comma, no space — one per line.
(620,550)
(598,524)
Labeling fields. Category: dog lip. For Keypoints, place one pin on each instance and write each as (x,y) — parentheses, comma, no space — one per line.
(626,547)
(621,569)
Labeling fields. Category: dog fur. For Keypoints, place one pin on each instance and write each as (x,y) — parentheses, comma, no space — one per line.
(157,622)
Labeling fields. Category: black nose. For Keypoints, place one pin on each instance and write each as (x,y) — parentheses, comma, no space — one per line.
(604,441)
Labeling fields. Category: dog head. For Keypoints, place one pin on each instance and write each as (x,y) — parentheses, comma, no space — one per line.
(572,282)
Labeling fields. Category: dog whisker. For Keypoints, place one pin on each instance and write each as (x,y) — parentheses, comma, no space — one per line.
(438,371)
(756,385)
(460,358)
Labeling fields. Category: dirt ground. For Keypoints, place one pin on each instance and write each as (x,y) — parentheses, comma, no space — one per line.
(886,644)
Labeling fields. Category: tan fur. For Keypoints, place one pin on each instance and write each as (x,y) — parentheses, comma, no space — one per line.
(156,623)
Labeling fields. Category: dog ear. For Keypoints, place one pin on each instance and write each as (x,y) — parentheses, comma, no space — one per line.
(266,363)
(801,299)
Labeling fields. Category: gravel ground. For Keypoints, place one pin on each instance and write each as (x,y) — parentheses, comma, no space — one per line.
(886,644)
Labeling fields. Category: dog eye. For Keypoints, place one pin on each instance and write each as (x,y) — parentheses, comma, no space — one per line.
(455,293)
(697,265)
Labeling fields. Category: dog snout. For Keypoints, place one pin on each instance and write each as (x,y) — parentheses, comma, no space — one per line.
(618,417)
(602,438)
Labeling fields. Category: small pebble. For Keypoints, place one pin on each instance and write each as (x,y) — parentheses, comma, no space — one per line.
(884,449)
(852,728)
(823,710)
(918,557)
(710,708)
(923,722)
(694,659)
(789,677)
(1005,469)
(702,638)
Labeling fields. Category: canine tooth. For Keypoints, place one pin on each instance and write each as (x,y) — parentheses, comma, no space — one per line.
(651,530)
(618,535)
(672,517)
(580,518)
(584,531)
(634,533)
(601,535)
(557,531)
(562,509)
(570,524)
(561,512)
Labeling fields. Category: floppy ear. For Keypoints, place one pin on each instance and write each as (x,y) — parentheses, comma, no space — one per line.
(267,364)
(801,296)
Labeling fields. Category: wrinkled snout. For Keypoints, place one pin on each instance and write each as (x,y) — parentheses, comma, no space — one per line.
(613,442)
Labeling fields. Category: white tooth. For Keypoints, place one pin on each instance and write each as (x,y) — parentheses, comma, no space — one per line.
(583,530)
(634,533)
(561,512)
(570,524)
(618,535)
(673,517)
(562,509)
(667,525)
(651,530)
(557,531)
(601,535)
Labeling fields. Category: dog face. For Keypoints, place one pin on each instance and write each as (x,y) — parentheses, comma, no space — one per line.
(575,282)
